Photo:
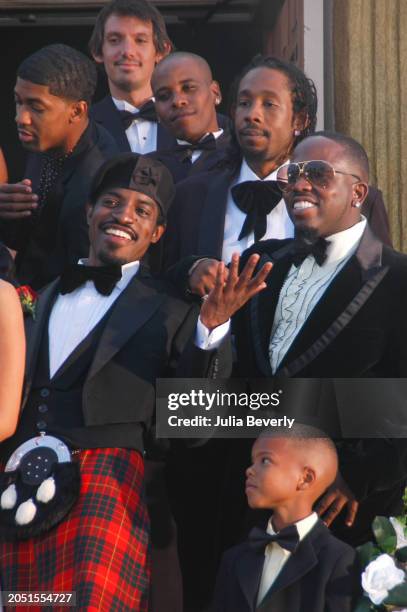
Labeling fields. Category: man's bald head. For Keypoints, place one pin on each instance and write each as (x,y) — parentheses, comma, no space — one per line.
(186,96)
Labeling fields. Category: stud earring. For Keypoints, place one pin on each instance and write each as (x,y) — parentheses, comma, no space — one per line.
(356,204)
(217,100)
(297,132)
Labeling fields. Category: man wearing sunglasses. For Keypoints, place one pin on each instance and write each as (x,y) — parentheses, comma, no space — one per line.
(336,299)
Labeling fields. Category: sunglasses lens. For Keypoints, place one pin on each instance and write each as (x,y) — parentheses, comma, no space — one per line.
(284,179)
(319,173)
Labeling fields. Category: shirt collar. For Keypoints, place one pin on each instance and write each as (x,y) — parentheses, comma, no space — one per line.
(343,244)
(123,105)
(304,526)
(214,134)
(247,174)
(128,271)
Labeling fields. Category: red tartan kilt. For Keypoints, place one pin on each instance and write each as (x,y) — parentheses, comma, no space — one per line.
(100,550)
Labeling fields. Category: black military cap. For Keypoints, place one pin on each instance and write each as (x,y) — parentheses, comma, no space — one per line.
(138,172)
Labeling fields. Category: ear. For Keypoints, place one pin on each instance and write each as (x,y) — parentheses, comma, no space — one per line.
(79,110)
(98,58)
(360,191)
(307,479)
(158,232)
(216,92)
(89,212)
(159,55)
(301,121)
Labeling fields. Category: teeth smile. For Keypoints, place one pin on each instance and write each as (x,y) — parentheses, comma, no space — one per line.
(303,205)
(116,232)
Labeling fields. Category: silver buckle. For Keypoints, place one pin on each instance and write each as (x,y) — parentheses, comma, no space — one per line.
(60,448)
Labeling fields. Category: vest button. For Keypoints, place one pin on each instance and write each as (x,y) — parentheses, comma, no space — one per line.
(44,392)
(41,425)
(43,408)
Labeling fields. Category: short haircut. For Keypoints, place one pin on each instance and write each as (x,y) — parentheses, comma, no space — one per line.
(141,9)
(303,435)
(67,72)
(353,151)
(198,59)
(303,90)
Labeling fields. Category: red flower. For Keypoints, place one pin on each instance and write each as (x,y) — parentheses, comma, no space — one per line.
(28,298)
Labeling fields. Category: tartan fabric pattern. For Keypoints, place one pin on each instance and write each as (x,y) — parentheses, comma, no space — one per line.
(100,550)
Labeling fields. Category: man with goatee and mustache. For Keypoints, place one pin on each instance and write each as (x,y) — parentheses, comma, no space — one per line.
(274,107)
(103,333)
(43,216)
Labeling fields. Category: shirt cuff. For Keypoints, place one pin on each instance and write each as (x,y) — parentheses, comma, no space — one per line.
(208,341)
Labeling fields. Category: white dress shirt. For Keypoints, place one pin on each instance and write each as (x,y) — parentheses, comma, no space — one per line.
(141,134)
(276,557)
(198,152)
(305,286)
(75,314)
(279,224)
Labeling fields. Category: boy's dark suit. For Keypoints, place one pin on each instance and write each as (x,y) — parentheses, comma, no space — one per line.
(143,337)
(358,328)
(196,219)
(105,113)
(322,574)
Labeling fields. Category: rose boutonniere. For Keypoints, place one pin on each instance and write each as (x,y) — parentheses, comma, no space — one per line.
(384,579)
(28,298)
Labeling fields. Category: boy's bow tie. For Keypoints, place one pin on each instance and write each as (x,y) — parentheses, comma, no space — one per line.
(287,538)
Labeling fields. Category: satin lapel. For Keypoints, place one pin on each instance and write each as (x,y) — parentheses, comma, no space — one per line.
(249,567)
(105,113)
(361,268)
(298,565)
(211,229)
(165,140)
(34,330)
(262,309)
(133,308)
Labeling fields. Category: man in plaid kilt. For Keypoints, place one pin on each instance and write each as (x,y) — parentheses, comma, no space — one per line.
(103,332)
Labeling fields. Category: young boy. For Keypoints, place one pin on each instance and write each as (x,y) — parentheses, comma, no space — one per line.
(296,565)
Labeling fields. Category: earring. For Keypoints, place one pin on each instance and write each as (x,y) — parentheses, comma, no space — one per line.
(356,204)
(217,100)
(297,132)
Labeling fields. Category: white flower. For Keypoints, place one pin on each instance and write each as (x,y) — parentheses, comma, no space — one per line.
(399,529)
(379,577)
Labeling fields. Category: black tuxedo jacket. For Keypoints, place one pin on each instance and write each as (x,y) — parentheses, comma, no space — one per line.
(357,329)
(196,219)
(105,113)
(321,575)
(63,221)
(147,330)
(208,160)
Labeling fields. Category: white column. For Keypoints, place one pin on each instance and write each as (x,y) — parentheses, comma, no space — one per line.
(314,50)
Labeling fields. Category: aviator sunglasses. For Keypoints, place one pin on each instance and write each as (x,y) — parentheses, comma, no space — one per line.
(317,172)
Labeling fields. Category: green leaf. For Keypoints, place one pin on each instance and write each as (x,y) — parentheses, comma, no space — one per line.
(401,554)
(366,553)
(397,596)
(385,534)
(364,605)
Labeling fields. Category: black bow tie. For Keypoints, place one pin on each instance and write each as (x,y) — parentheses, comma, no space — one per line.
(146,112)
(300,250)
(287,538)
(206,144)
(257,199)
(103,277)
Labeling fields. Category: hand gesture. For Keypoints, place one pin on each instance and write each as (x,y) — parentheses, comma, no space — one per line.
(337,496)
(228,295)
(203,278)
(17,200)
